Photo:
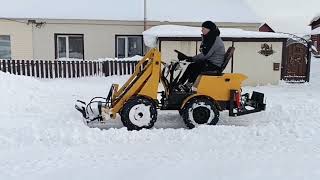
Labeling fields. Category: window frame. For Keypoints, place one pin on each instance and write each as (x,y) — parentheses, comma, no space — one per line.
(57,35)
(126,36)
(10,45)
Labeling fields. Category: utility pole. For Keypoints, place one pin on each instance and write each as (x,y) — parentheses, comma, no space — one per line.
(145,15)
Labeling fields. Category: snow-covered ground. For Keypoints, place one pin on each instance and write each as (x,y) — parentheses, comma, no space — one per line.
(42,137)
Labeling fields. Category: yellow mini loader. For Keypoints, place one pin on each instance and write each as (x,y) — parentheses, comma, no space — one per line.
(137,100)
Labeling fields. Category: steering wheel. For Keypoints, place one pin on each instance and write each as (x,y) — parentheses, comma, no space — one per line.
(170,70)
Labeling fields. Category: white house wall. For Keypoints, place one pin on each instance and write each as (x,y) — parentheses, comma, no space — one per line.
(189,48)
(30,42)
(99,40)
(257,67)
(247,59)
(168,47)
(20,37)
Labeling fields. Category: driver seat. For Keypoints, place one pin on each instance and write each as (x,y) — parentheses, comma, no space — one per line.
(228,55)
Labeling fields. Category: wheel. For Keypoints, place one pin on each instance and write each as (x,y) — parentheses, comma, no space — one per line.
(139,113)
(199,111)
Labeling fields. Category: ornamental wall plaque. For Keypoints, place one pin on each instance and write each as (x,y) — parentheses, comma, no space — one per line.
(266,50)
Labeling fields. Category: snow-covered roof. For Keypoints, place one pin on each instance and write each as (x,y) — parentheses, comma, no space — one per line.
(316,31)
(316,18)
(164,10)
(151,35)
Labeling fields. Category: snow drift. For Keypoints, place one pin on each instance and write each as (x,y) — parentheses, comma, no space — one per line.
(42,136)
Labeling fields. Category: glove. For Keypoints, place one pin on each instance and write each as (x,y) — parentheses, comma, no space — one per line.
(189,59)
(181,56)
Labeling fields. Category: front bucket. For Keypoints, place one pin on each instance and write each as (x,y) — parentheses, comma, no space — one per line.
(81,107)
(91,111)
(98,109)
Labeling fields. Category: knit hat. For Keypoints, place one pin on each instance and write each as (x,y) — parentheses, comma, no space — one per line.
(209,25)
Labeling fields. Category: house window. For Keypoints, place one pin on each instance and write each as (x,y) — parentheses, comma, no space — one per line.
(128,46)
(69,46)
(5,47)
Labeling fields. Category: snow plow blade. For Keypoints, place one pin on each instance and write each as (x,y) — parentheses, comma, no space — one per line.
(90,113)
(97,110)
(81,107)
(246,104)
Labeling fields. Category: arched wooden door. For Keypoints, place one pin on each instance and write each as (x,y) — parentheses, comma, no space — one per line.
(295,66)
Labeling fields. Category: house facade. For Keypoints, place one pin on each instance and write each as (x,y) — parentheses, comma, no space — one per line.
(102,30)
(80,39)
(315,32)
(15,40)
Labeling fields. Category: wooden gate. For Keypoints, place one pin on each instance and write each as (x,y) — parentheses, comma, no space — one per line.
(295,65)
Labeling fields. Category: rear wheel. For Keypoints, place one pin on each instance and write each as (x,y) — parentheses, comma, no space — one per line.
(200,111)
(139,113)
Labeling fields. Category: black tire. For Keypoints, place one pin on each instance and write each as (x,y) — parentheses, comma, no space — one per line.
(199,111)
(139,113)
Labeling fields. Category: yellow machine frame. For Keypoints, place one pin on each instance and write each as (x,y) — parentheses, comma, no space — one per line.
(137,100)
(145,81)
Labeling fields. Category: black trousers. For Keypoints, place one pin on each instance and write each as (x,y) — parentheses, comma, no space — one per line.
(194,70)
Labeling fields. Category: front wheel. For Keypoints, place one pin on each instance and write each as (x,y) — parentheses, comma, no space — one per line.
(200,111)
(139,113)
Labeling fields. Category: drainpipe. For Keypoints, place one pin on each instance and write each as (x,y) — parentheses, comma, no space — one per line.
(144,23)
(145,15)
(32,22)
(33,49)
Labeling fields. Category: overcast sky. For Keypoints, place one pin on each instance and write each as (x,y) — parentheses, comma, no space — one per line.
(287,15)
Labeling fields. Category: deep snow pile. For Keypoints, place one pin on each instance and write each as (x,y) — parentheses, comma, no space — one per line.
(42,136)
(40,111)
(151,35)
